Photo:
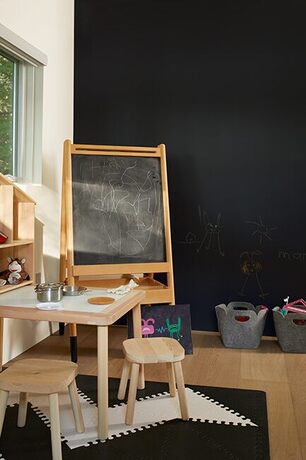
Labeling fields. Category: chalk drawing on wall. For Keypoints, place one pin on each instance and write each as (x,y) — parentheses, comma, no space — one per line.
(291,256)
(261,230)
(251,266)
(209,237)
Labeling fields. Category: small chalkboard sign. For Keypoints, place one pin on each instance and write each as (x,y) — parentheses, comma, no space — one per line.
(166,321)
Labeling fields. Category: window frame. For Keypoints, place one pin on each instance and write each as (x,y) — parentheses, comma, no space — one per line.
(29,103)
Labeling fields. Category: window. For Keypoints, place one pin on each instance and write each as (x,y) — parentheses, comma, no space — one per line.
(8,109)
(21,93)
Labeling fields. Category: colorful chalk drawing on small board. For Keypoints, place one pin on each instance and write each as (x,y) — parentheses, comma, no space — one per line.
(166,321)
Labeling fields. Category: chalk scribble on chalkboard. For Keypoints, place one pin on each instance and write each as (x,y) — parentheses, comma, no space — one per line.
(289,256)
(262,230)
(117,209)
(251,267)
(209,234)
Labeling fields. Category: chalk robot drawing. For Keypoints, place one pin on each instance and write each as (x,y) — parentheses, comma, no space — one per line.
(174,329)
(209,234)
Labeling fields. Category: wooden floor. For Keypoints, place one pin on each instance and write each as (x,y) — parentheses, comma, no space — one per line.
(281,375)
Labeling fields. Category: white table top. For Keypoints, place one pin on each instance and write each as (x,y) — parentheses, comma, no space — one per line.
(22,303)
(27,297)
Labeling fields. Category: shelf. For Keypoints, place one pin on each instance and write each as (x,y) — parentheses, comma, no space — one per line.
(155,291)
(17,222)
(15,243)
(10,287)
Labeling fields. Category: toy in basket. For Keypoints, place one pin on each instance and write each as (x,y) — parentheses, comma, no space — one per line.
(241,324)
(290,326)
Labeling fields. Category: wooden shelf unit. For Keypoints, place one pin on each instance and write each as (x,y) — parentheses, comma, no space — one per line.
(17,221)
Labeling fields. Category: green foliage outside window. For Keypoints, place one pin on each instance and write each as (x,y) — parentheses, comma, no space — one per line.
(6,114)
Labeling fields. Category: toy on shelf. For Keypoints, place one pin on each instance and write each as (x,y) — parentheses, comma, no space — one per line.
(3,238)
(15,273)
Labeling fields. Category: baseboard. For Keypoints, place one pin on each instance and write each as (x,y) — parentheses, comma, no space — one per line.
(196,332)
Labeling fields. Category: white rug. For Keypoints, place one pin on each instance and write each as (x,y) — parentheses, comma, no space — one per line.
(149,412)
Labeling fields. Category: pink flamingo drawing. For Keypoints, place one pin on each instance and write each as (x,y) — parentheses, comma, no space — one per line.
(147,326)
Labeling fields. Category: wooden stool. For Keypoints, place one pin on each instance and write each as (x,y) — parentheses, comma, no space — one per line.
(150,351)
(43,376)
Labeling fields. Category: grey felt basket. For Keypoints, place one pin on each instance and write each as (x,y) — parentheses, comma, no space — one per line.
(237,334)
(290,331)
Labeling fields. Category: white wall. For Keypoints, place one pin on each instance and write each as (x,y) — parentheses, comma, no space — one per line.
(49,26)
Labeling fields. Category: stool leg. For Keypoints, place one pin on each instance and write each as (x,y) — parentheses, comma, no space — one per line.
(55,427)
(124,379)
(3,402)
(132,394)
(76,407)
(171,378)
(141,379)
(181,390)
(22,411)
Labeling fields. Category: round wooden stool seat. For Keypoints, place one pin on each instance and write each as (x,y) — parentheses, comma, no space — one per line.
(43,376)
(153,350)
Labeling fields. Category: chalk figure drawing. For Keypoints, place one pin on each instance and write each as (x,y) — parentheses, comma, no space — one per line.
(118,209)
(209,235)
(251,267)
(262,231)
(174,328)
(147,327)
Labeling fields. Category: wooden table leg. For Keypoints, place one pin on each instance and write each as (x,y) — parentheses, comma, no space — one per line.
(138,334)
(102,352)
(73,342)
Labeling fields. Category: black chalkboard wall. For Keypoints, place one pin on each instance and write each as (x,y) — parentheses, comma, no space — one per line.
(117,210)
(222,84)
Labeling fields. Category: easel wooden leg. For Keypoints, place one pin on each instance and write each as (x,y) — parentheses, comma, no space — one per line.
(138,334)
(102,382)
(61,328)
(73,342)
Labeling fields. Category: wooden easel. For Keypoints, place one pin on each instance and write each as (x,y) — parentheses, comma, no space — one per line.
(115,274)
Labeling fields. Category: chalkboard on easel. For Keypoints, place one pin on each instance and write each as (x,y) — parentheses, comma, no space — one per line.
(115,218)
(117,210)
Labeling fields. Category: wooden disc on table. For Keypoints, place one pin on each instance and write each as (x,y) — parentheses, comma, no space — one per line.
(101,300)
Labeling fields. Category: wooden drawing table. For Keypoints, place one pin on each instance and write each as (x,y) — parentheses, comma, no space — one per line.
(22,304)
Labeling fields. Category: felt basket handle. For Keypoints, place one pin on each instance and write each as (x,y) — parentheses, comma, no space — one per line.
(300,322)
(241,318)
